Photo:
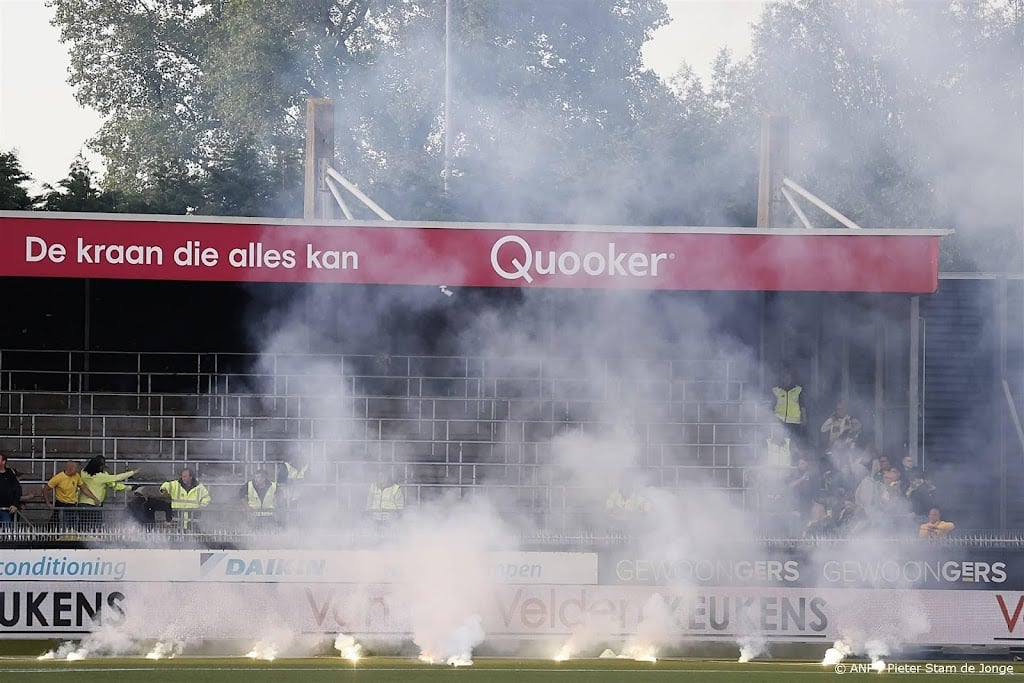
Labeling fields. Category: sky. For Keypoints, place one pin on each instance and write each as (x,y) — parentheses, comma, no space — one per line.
(40,119)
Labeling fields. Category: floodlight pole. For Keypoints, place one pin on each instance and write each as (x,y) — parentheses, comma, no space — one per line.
(774,168)
(447,92)
(317,200)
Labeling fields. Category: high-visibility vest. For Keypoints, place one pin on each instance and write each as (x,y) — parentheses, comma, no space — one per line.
(294,472)
(617,503)
(384,501)
(192,499)
(261,507)
(787,404)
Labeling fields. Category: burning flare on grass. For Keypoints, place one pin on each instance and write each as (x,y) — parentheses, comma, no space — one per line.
(877,649)
(456,647)
(837,653)
(263,650)
(67,650)
(565,652)
(454,660)
(348,647)
(640,652)
(162,650)
(750,647)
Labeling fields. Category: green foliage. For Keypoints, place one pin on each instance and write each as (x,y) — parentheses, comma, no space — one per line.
(217,91)
(13,194)
(77,192)
(902,114)
(905,114)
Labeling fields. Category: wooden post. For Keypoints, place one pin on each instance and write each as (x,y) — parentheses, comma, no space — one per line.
(773,169)
(317,199)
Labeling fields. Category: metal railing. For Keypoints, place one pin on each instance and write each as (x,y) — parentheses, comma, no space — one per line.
(230,414)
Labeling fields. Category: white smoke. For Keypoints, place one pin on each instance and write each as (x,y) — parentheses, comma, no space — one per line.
(348,647)
(105,641)
(837,653)
(751,647)
(165,650)
(446,583)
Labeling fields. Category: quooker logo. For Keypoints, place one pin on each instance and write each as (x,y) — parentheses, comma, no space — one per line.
(523,262)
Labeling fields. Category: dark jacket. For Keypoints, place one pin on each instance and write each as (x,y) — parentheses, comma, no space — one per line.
(10,489)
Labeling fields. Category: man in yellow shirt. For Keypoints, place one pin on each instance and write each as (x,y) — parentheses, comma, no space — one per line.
(65,487)
(935,527)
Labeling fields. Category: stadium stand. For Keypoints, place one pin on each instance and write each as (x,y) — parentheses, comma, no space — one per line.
(452,425)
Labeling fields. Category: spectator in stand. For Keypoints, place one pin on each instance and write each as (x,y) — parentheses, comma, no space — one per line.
(921,493)
(260,496)
(290,477)
(187,496)
(778,449)
(625,506)
(907,464)
(98,481)
(851,519)
(61,494)
(10,493)
(911,474)
(850,439)
(775,466)
(804,485)
(879,467)
(867,494)
(892,504)
(935,527)
(819,523)
(789,406)
(860,462)
(838,426)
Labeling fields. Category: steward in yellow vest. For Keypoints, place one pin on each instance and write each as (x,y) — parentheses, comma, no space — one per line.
(386,499)
(289,481)
(259,494)
(186,495)
(788,407)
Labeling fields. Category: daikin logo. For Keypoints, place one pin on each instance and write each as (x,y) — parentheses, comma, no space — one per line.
(227,565)
(527,262)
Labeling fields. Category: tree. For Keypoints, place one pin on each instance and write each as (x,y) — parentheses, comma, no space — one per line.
(198,89)
(547,97)
(77,192)
(905,114)
(13,194)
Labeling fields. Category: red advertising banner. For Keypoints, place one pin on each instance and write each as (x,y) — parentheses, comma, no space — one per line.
(475,255)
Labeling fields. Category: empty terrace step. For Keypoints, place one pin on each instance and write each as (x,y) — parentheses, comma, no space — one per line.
(32,402)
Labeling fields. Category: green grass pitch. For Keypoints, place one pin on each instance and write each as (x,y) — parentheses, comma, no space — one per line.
(484,670)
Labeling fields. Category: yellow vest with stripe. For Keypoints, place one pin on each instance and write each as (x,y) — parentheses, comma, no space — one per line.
(382,503)
(196,497)
(618,504)
(261,507)
(787,404)
(294,472)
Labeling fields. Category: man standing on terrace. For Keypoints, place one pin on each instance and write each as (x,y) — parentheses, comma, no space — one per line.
(66,486)
(789,407)
(10,492)
(187,495)
(98,481)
